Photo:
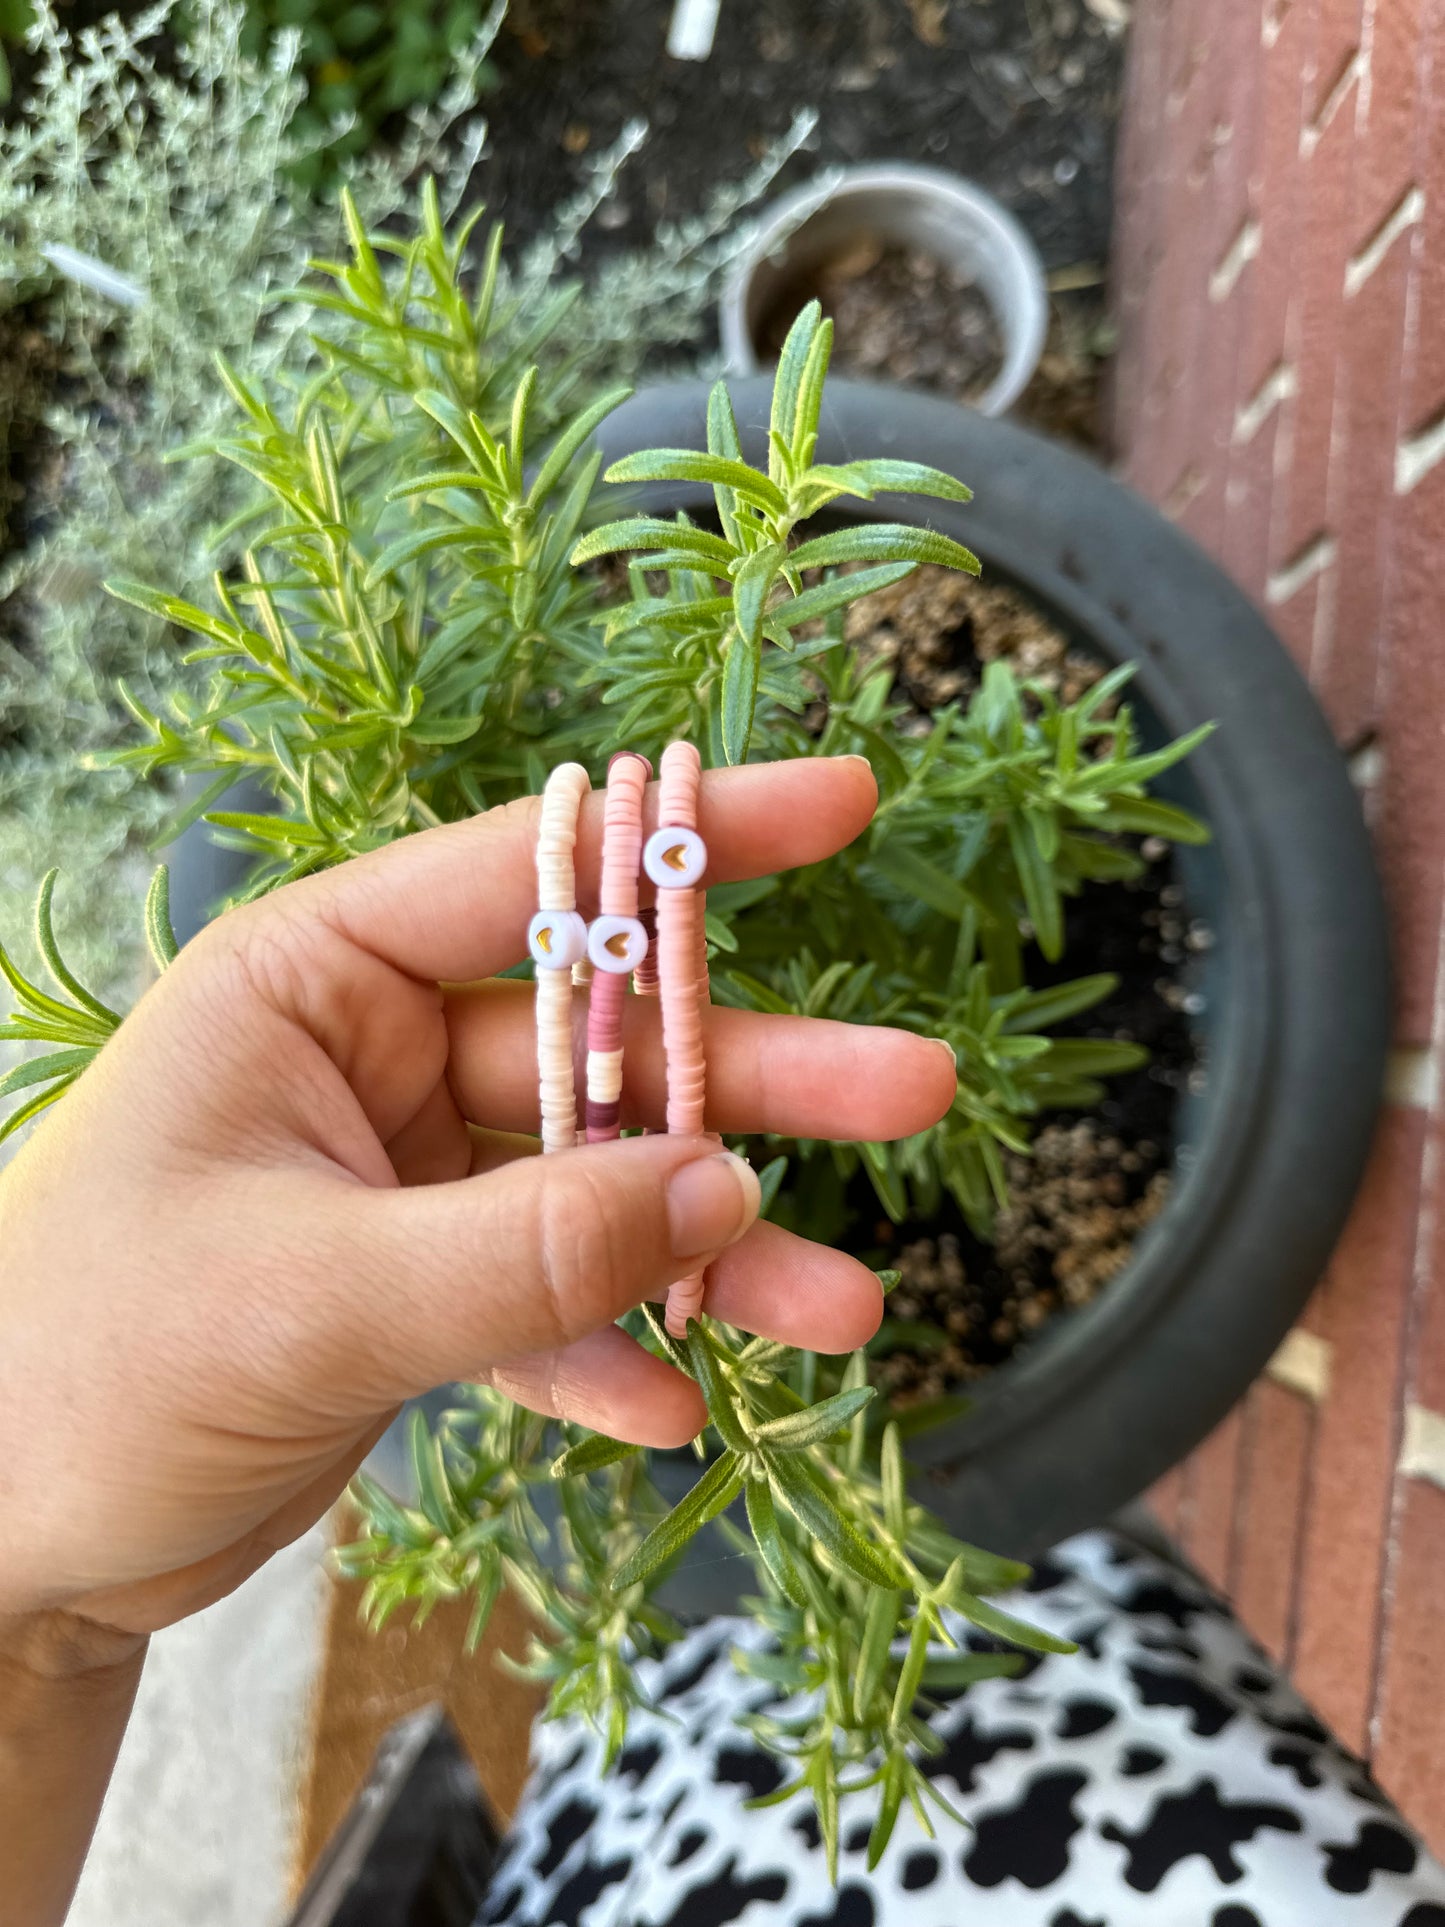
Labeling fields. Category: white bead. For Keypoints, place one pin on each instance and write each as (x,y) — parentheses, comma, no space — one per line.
(675,858)
(617,944)
(557,939)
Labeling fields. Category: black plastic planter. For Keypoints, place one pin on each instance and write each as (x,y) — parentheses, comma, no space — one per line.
(1294,1028)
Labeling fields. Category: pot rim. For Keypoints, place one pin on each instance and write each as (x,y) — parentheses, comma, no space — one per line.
(1107,1398)
(1019,290)
(1096,1408)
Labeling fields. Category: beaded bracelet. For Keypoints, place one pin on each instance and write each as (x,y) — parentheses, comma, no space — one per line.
(675,858)
(617,942)
(557,939)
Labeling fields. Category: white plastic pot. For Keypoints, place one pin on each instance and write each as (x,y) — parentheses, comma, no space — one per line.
(915,207)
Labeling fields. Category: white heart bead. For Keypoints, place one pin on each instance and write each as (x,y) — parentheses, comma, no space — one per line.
(616,944)
(675,858)
(557,939)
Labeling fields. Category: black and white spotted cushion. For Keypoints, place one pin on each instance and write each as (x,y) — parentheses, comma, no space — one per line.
(1163,1776)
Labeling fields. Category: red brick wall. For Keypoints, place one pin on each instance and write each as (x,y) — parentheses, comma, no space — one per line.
(1280,284)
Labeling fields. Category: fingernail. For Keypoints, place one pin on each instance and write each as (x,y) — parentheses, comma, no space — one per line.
(711,1203)
(943,1044)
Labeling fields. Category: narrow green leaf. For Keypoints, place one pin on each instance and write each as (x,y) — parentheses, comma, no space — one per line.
(895,1487)
(667,1344)
(169,608)
(569,443)
(590,1455)
(874,1648)
(802,1491)
(884,542)
(160,935)
(41,1101)
(649,532)
(78,1024)
(408,548)
(1092,1056)
(910,1674)
(433,1488)
(815,1423)
(517,427)
(39,1070)
(803,434)
(715,1388)
(713,1493)
(875,476)
(741,663)
(752,585)
(894,1773)
(1040,891)
(887,1179)
(779,1796)
(1147,817)
(836,593)
(489,1584)
(270,829)
(1143,769)
(444,478)
(966,1669)
(787,385)
(992,1619)
(922,879)
(722,426)
(49,949)
(763,1519)
(770,1180)
(396,1522)
(1038,1009)
(687,465)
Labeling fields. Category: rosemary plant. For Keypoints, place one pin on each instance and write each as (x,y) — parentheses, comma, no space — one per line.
(418,629)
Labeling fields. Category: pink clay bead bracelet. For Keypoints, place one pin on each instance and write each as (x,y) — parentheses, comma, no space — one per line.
(557,939)
(675,859)
(617,942)
(672,964)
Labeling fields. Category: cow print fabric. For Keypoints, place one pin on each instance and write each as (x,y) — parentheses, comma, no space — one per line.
(1163,1776)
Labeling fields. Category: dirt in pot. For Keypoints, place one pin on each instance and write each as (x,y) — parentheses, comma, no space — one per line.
(940,629)
(1094,1180)
(899,314)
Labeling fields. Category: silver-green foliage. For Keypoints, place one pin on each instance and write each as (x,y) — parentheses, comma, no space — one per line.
(169,159)
(171,174)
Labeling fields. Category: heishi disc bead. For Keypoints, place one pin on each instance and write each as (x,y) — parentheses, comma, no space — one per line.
(616,944)
(557,939)
(675,858)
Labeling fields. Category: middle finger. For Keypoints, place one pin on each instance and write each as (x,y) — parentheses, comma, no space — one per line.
(797,1076)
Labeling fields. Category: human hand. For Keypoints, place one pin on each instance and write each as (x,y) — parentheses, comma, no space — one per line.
(288,1195)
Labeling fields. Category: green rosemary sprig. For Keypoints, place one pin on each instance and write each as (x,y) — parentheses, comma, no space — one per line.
(719,639)
(75,1023)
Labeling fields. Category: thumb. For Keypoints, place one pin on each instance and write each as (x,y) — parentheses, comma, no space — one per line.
(447,1280)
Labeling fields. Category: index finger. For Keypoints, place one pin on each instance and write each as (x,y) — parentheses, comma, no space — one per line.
(453,904)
